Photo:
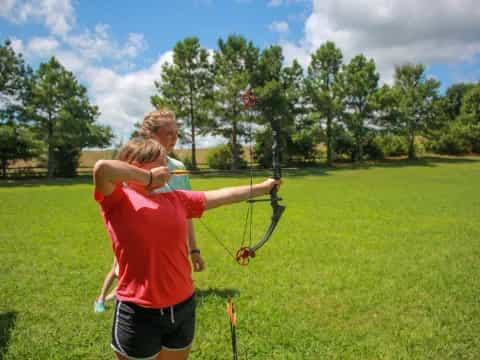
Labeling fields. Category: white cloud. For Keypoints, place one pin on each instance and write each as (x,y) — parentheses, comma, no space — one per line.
(292,51)
(123,99)
(97,45)
(71,61)
(279,26)
(90,48)
(76,50)
(275,3)
(122,94)
(394,31)
(135,44)
(57,15)
(36,47)
(17,45)
(6,7)
(41,47)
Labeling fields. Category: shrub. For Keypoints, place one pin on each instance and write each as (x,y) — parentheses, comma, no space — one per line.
(373,149)
(66,160)
(303,146)
(187,161)
(344,145)
(451,144)
(220,157)
(394,145)
(455,140)
(420,145)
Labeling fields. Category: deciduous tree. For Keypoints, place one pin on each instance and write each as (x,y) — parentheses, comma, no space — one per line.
(63,117)
(359,84)
(186,86)
(323,90)
(235,61)
(409,108)
(17,141)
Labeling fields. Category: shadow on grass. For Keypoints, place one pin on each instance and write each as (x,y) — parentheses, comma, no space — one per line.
(43,181)
(317,170)
(7,322)
(204,295)
(426,161)
(88,180)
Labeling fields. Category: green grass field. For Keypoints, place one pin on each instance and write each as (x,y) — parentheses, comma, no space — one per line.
(378,262)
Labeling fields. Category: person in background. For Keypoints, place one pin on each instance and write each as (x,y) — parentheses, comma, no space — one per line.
(161,125)
(99,305)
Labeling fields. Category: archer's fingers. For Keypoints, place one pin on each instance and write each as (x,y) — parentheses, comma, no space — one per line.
(198,263)
(279,183)
(271,183)
(161,175)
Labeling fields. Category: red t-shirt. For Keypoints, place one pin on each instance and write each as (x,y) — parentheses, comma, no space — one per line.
(149,239)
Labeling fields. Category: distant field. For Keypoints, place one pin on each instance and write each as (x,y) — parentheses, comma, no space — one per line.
(89,156)
(378,262)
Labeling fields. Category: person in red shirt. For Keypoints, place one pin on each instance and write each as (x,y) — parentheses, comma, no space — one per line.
(154,315)
(159,125)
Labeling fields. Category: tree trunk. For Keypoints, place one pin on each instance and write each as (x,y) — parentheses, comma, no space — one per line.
(357,156)
(411,147)
(359,150)
(4,169)
(329,141)
(358,137)
(192,123)
(51,160)
(234,147)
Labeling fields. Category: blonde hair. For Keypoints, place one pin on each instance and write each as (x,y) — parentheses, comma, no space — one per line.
(142,151)
(154,121)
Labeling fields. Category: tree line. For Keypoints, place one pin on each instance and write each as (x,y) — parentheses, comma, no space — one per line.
(340,105)
(331,107)
(45,114)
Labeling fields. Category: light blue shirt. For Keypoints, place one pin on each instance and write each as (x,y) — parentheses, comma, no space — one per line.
(177,182)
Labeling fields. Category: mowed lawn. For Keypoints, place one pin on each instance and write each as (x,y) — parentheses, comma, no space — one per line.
(378,262)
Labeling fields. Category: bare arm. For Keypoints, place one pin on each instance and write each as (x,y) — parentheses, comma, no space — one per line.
(107,173)
(215,198)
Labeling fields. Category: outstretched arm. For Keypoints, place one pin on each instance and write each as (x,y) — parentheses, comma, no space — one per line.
(215,198)
(107,173)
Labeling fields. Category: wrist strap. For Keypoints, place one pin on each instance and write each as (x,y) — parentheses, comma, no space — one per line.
(194,251)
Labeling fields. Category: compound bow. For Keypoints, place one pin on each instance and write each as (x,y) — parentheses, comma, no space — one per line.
(244,254)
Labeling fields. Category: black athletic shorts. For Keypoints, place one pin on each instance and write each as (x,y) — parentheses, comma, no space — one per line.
(141,333)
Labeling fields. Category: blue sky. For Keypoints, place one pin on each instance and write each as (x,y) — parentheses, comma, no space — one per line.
(116,48)
(163,23)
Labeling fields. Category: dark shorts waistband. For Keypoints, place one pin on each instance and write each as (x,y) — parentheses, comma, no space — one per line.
(175,307)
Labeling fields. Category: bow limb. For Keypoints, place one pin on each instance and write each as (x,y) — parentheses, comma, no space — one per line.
(277,209)
(277,214)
